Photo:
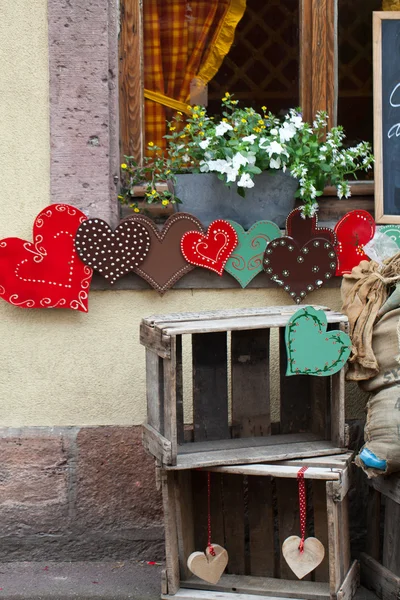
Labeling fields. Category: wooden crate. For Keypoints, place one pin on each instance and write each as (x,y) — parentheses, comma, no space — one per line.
(380,565)
(232,370)
(254,508)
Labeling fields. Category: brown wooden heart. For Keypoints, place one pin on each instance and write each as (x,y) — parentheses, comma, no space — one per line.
(164,264)
(304,562)
(112,253)
(300,270)
(304,229)
(208,567)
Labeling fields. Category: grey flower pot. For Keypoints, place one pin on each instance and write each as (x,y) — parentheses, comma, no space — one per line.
(208,198)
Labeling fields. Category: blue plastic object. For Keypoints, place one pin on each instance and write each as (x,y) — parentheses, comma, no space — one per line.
(370,460)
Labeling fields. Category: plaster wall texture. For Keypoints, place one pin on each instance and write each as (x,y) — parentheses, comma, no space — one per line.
(58,367)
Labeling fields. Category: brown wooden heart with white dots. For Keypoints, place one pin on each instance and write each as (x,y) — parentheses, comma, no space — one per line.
(112,253)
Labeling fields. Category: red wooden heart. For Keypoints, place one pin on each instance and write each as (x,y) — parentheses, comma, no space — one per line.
(353,231)
(210,250)
(112,253)
(300,270)
(164,264)
(303,229)
(48,272)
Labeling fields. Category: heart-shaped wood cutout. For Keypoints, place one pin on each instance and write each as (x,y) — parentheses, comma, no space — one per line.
(300,270)
(164,264)
(206,566)
(303,229)
(246,261)
(304,562)
(210,250)
(353,231)
(311,349)
(112,253)
(47,273)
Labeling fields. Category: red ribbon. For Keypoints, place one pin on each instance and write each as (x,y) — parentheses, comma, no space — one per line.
(303,505)
(209,545)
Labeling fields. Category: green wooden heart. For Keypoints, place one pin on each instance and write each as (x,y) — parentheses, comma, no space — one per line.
(393,231)
(311,350)
(246,261)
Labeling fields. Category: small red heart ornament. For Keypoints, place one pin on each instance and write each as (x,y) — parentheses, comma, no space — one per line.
(353,231)
(46,273)
(210,250)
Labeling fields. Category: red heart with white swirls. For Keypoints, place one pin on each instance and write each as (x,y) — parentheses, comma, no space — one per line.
(46,273)
(210,250)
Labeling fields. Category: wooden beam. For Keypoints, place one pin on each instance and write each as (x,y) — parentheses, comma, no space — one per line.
(131,103)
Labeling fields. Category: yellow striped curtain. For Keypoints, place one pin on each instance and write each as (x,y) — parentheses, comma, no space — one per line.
(182,40)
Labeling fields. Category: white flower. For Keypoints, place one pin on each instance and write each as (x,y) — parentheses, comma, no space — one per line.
(222,128)
(249,138)
(297,121)
(245,181)
(274,131)
(287,131)
(231,174)
(219,165)
(251,158)
(205,143)
(275,148)
(239,160)
(323,149)
(275,163)
(185,158)
(204,168)
(263,143)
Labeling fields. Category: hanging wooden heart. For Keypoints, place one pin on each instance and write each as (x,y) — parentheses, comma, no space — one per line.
(206,566)
(210,250)
(303,229)
(353,231)
(311,350)
(246,261)
(112,253)
(300,270)
(164,264)
(46,273)
(306,561)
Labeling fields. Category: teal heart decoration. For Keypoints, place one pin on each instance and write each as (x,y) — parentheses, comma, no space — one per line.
(393,231)
(246,261)
(311,350)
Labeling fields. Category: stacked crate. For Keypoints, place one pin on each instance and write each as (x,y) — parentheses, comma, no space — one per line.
(253,437)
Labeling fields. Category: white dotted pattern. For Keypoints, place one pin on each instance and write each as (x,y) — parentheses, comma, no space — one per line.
(113,254)
(212,250)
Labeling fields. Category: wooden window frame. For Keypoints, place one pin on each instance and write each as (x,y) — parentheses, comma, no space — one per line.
(318,75)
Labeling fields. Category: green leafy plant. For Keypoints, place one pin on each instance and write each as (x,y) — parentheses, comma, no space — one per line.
(242,144)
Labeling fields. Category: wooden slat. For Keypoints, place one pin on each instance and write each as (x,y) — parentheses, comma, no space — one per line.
(179,392)
(388,486)
(288,520)
(257,442)
(338,404)
(295,396)
(379,579)
(320,398)
(171,534)
(254,454)
(278,470)
(153,339)
(200,511)
(349,587)
(250,383)
(261,526)
(210,386)
(169,373)
(373,523)
(321,526)
(233,495)
(336,571)
(131,106)
(265,586)
(157,445)
(184,520)
(306,59)
(154,390)
(344,536)
(391,537)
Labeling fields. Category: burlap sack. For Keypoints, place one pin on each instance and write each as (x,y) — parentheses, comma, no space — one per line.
(382,429)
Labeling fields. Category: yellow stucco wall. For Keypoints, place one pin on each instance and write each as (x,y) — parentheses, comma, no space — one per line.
(60,367)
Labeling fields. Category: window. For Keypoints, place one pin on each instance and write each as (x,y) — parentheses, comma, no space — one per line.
(312,53)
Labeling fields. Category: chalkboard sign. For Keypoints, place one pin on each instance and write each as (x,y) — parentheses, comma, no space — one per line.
(387,116)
